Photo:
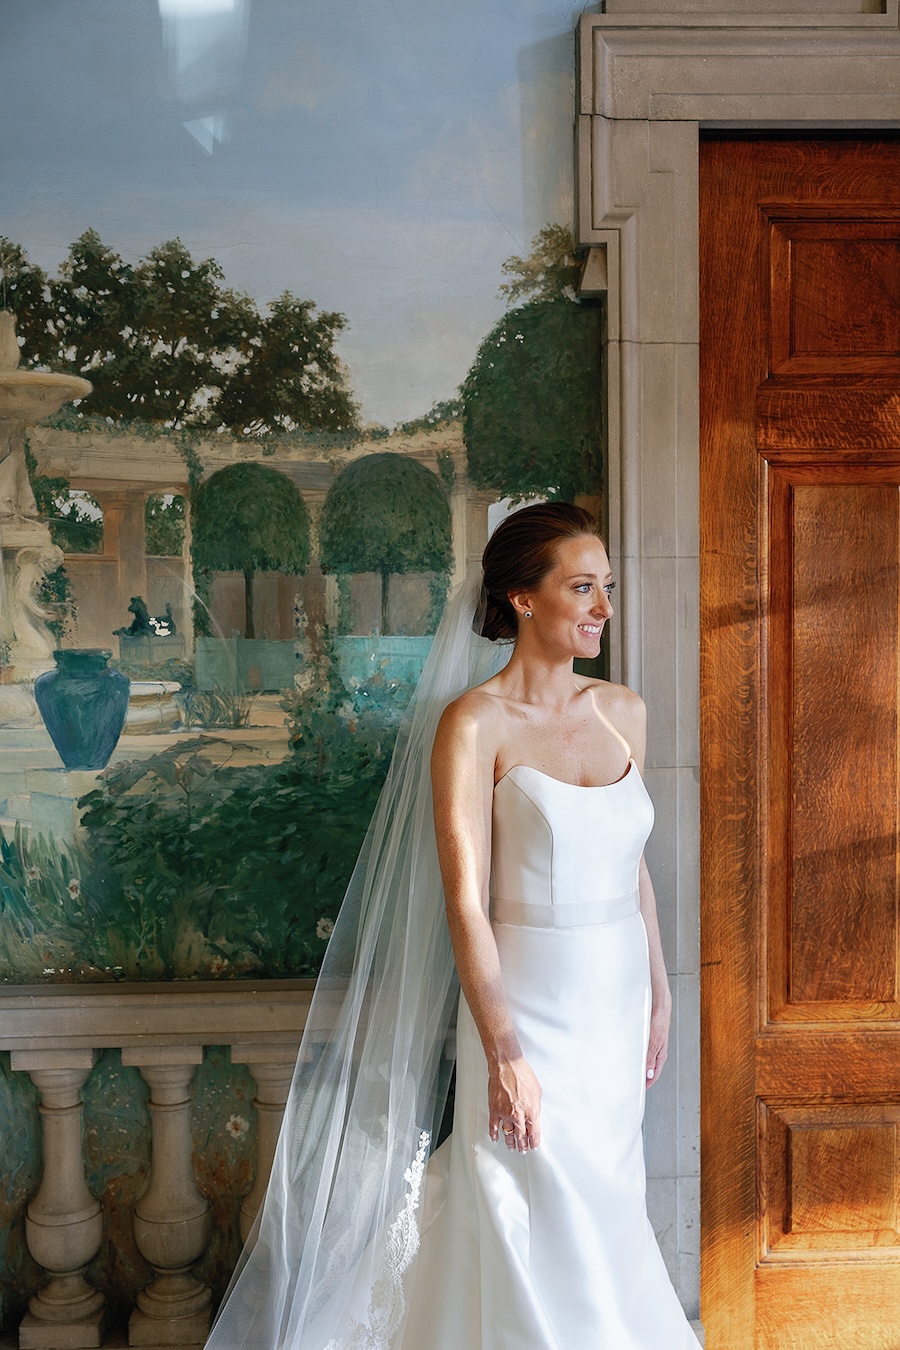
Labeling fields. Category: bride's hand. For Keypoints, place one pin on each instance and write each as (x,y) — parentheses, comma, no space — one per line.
(514,1102)
(658,1048)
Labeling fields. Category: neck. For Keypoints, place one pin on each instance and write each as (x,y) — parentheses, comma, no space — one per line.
(539,677)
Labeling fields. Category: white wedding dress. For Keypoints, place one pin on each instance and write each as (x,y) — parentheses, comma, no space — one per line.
(552,1249)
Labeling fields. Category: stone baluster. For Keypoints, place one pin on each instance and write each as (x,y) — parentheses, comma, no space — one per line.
(272,1067)
(172,1219)
(63,1223)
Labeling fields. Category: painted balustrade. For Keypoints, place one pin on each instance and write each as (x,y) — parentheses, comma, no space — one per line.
(272,1068)
(172,1218)
(54,1035)
(64,1226)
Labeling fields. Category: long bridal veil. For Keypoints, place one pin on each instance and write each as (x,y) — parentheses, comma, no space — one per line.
(323,1268)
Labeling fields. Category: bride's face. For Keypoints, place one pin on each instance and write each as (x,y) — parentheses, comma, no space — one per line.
(570,606)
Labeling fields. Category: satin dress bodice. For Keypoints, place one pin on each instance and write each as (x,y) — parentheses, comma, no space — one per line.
(563,855)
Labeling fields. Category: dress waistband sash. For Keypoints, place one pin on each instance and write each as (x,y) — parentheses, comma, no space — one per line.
(579,915)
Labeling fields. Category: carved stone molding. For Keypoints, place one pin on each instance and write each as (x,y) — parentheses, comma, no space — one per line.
(731,70)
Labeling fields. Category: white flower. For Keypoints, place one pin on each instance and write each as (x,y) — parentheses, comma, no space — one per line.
(32,874)
(236,1126)
(218,964)
(74,888)
(324,929)
(49,970)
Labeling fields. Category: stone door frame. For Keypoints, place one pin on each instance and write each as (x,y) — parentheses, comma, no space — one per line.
(648,84)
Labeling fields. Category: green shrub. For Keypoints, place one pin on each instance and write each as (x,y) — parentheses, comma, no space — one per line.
(236,871)
(191,868)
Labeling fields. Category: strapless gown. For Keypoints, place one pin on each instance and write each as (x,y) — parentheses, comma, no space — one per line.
(552,1249)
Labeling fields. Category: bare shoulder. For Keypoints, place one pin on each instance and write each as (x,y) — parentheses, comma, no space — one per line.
(622,699)
(471,709)
(624,708)
(470,720)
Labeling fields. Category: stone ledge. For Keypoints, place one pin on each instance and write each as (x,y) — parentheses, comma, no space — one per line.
(69,1017)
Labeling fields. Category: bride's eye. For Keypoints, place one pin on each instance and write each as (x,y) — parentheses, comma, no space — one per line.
(609,587)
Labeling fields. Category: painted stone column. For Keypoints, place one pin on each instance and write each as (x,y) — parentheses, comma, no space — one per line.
(272,1067)
(63,1225)
(172,1219)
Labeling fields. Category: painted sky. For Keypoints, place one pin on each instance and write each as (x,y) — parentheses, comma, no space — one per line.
(381,157)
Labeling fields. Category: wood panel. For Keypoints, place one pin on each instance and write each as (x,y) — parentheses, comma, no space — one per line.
(833,597)
(800,589)
(820,271)
(864,424)
(829,1184)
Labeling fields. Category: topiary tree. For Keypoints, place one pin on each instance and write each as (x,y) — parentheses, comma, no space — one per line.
(249,518)
(386,514)
(532,412)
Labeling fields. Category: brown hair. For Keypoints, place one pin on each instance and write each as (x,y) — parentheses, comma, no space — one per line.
(520,553)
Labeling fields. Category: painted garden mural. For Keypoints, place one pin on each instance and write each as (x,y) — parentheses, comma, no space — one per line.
(300,286)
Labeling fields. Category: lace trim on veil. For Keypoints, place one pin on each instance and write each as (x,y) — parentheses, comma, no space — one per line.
(387,1303)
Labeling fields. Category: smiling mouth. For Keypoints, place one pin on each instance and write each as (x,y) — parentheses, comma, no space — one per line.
(592,629)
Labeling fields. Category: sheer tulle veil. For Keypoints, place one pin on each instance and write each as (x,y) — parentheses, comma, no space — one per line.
(324,1266)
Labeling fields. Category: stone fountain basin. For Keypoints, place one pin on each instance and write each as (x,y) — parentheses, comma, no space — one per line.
(29,395)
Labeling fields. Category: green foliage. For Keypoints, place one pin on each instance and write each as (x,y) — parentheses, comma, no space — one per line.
(215,708)
(439,589)
(293,377)
(386,514)
(55,590)
(54,595)
(164,525)
(249,518)
(165,341)
(232,871)
(25,290)
(73,527)
(57,911)
(193,868)
(157,339)
(441,414)
(447,470)
(551,270)
(532,402)
(345,607)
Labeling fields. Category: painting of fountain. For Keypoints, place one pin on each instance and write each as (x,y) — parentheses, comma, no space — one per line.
(27,550)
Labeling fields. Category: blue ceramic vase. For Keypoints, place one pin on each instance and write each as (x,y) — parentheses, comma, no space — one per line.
(83,705)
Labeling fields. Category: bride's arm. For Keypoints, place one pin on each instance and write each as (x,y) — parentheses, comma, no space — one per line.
(462,773)
(661,996)
(661,1006)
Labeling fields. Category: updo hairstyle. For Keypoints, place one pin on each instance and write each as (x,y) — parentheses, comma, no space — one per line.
(520,553)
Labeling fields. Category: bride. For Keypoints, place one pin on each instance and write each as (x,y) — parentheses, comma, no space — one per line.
(528,1229)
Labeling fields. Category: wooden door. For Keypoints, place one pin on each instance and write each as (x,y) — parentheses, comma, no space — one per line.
(800,553)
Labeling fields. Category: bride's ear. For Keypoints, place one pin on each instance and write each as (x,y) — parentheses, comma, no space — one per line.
(521,603)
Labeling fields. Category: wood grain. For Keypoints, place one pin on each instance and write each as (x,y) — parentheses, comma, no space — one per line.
(800,593)
(834,296)
(816,421)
